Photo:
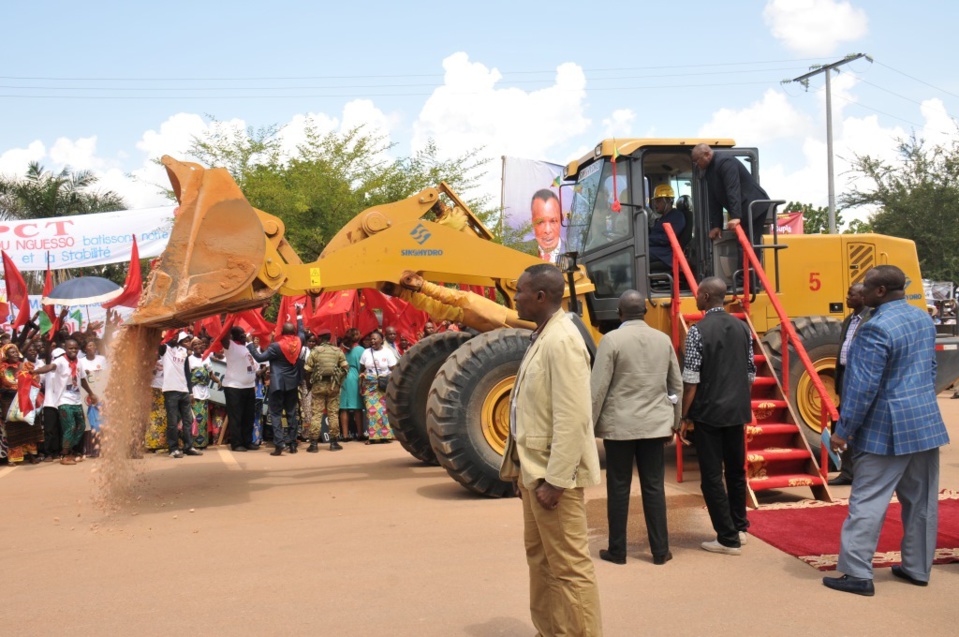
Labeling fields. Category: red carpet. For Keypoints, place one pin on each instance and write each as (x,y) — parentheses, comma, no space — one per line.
(810,531)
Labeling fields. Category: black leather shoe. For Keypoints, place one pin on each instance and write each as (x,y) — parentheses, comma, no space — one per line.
(609,557)
(898,571)
(840,481)
(241,448)
(335,444)
(848,584)
(292,449)
(277,451)
(313,448)
(659,560)
(253,447)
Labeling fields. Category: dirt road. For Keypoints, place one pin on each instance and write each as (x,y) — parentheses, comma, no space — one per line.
(368,541)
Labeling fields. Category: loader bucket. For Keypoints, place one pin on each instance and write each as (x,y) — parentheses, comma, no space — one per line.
(215,250)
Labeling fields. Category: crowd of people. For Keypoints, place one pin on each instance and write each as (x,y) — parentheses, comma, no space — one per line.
(50,388)
(302,388)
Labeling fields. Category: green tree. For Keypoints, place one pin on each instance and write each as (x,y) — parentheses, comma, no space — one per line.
(333,176)
(917,198)
(815,220)
(40,193)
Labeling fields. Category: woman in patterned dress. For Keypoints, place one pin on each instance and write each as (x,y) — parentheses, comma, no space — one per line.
(23,439)
(156,430)
(201,376)
(377,362)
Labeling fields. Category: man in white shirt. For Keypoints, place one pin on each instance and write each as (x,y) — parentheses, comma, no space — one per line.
(177,397)
(239,391)
(65,383)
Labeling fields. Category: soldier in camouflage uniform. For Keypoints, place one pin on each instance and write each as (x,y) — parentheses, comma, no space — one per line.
(325,369)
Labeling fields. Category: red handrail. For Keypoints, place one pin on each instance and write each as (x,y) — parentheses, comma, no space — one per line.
(789,337)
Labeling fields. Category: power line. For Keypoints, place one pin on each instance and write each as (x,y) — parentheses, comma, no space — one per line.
(900,96)
(389,76)
(912,77)
(354,95)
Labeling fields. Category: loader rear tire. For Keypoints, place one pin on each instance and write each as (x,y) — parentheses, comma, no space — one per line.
(409,390)
(468,410)
(820,338)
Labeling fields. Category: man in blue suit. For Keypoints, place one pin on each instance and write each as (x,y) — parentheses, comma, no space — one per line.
(891,420)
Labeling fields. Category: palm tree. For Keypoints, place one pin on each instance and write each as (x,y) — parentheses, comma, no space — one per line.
(40,193)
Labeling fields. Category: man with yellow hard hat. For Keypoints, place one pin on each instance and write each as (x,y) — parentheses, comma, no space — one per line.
(659,248)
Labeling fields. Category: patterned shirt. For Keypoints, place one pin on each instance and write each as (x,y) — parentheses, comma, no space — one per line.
(693,361)
(854,322)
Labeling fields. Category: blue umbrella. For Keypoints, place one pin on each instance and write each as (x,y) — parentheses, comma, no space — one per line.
(84,290)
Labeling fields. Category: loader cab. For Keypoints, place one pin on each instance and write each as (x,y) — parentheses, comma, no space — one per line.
(615,246)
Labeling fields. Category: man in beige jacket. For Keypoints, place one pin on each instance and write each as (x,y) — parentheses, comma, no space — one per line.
(551,456)
(637,386)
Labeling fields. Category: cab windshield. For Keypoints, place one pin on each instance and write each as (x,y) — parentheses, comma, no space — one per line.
(593,223)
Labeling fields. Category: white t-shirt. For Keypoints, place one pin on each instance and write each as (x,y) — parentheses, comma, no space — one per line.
(384,359)
(240,367)
(94,370)
(201,392)
(157,375)
(174,373)
(62,384)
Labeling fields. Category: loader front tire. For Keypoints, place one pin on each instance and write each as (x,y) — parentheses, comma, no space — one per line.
(820,338)
(409,391)
(467,414)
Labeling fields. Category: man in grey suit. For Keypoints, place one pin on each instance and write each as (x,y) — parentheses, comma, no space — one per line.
(636,386)
(891,420)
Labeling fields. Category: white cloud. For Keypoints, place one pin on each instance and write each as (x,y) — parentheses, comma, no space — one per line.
(79,154)
(469,112)
(815,27)
(619,123)
(15,161)
(773,117)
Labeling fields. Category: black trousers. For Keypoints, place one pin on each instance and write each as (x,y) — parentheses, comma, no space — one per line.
(649,459)
(240,410)
(51,432)
(284,401)
(722,452)
(179,408)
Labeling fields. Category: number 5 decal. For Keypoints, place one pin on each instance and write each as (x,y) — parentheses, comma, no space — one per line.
(814,282)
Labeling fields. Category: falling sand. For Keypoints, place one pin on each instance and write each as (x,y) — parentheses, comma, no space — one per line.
(126,410)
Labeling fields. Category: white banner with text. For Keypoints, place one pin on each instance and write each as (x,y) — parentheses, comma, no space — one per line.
(81,241)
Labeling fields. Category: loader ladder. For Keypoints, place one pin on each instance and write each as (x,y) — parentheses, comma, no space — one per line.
(778,455)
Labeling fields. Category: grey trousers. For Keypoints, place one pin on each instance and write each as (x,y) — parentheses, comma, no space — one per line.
(915,480)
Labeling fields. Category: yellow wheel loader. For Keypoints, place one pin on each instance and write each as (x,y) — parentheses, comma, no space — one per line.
(449,396)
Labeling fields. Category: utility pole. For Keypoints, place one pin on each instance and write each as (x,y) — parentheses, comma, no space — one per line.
(804,80)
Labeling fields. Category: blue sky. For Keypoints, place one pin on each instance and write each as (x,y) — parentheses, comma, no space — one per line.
(528,79)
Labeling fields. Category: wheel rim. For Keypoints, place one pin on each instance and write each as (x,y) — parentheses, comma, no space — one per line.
(807,398)
(496,414)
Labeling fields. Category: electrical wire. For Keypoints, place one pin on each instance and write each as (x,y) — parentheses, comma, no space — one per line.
(912,77)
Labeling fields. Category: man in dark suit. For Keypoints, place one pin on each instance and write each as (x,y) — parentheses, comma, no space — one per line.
(283,355)
(860,314)
(731,186)
(891,419)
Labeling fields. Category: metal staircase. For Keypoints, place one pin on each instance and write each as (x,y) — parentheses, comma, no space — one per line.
(777,453)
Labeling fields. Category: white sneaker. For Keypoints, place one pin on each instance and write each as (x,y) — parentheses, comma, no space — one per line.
(176,454)
(743,537)
(714,546)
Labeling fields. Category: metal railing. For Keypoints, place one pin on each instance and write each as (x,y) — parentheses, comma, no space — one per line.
(828,411)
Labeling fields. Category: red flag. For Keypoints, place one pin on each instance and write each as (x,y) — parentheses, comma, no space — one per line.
(286,314)
(223,332)
(253,322)
(47,288)
(16,291)
(25,380)
(133,285)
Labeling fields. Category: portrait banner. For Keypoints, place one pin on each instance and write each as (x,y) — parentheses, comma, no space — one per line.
(790,223)
(532,198)
(81,241)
